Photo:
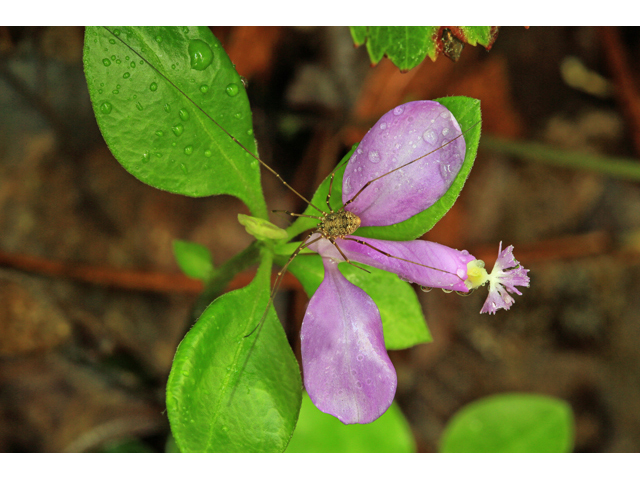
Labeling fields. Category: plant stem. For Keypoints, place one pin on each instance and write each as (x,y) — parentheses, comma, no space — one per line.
(223,275)
(623,168)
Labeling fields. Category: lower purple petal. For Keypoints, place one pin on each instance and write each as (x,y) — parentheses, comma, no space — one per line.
(347,371)
(440,266)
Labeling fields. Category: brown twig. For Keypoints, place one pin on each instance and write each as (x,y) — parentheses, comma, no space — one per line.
(625,90)
(159,282)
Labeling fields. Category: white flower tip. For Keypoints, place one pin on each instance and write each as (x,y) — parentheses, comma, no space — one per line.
(507,273)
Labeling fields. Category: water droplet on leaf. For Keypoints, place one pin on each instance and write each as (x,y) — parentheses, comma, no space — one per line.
(184,169)
(139,106)
(200,54)
(167,107)
(232,89)
(106,62)
(153,87)
(106,108)
(398,110)
(204,88)
(159,133)
(126,75)
(178,129)
(188,150)
(374,156)
(207,153)
(184,115)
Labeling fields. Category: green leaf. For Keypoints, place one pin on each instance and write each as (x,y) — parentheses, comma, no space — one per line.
(156,92)
(402,318)
(467,112)
(232,387)
(407,46)
(193,259)
(513,422)
(318,432)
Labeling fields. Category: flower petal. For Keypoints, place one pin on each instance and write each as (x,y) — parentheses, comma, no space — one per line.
(400,136)
(347,371)
(449,265)
(503,280)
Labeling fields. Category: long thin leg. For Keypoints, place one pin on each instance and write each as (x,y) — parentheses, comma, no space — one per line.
(279,277)
(362,242)
(333,174)
(296,214)
(333,242)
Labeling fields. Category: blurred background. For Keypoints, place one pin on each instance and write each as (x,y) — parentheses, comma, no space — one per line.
(93,305)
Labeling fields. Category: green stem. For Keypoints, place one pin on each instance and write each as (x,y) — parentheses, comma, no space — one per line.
(624,168)
(222,275)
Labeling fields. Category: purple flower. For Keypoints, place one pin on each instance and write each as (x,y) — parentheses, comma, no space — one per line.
(347,371)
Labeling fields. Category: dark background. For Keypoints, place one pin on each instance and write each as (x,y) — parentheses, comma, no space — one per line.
(92,304)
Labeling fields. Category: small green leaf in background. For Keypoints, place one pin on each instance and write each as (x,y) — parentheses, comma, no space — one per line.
(408,46)
(227,391)
(150,88)
(403,322)
(193,259)
(512,422)
(318,432)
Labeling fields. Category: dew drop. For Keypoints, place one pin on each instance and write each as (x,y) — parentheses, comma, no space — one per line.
(173,144)
(139,106)
(360,357)
(115,92)
(159,39)
(430,136)
(398,110)
(232,89)
(446,290)
(204,88)
(445,115)
(445,131)
(347,184)
(126,75)
(359,384)
(116,32)
(426,289)
(184,115)
(445,172)
(238,115)
(250,131)
(383,125)
(167,107)
(132,64)
(113,57)
(159,133)
(106,62)
(146,156)
(118,61)
(374,156)
(188,150)
(178,129)
(184,168)
(185,30)
(200,54)
(207,153)
(225,428)
(460,272)
(153,87)
(106,108)
(112,41)
(369,381)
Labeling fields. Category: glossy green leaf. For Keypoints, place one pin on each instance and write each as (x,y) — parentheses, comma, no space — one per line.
(467,112)
(406,47)
(513,422)
(156,92)
(318,432)
(232,387)
(402,319)
(193,259)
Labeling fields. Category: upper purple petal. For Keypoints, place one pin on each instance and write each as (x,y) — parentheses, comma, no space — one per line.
(347,371)
(440,266)
(402,135)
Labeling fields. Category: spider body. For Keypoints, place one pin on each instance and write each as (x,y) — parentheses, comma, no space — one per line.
(338,224)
